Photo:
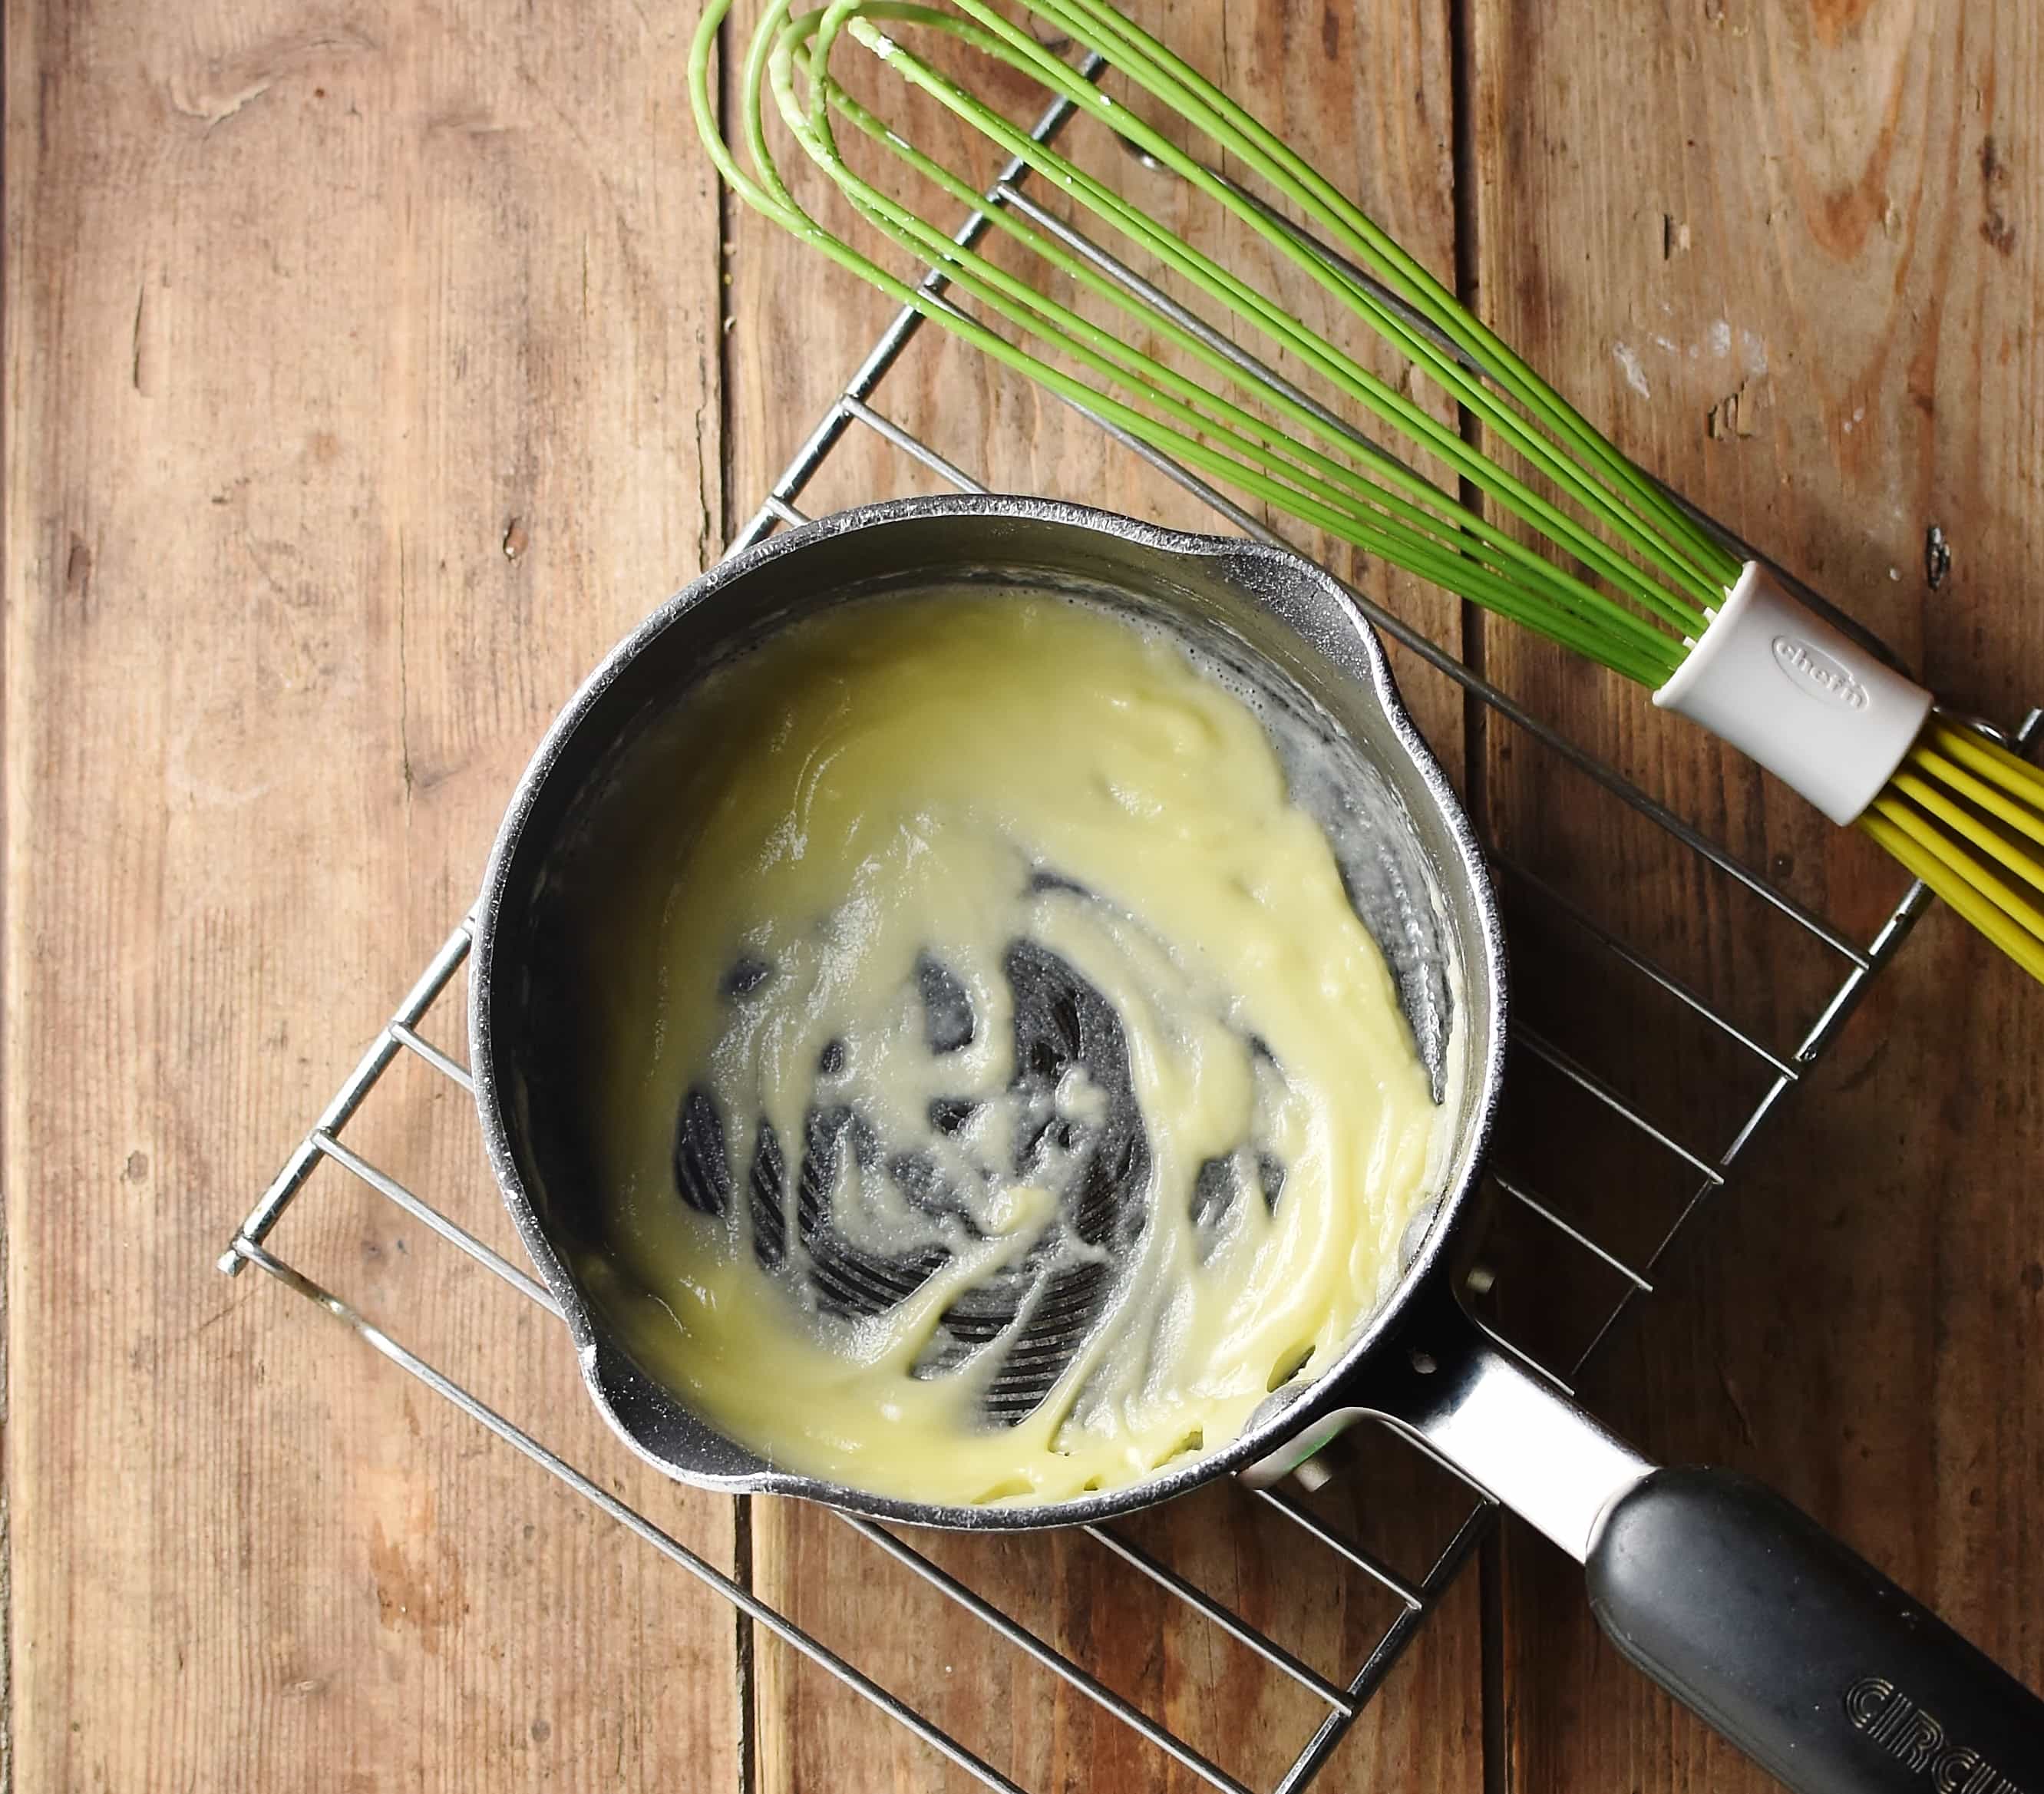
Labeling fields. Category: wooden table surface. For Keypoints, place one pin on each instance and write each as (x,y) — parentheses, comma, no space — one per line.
(371,366)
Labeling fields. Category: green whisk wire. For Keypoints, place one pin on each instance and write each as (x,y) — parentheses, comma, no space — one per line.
(1126,44)
(1587,550)
(1306,464)
(1418,546)
(1418,349)
(1385,401)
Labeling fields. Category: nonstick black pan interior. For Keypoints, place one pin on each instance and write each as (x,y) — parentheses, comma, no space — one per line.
(1275,630)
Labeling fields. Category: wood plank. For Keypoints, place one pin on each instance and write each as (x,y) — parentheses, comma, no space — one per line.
(361,379)
(360,389)
(1788,255)
(1371,90)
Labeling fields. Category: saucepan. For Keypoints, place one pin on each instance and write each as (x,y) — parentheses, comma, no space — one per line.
(1790,1644)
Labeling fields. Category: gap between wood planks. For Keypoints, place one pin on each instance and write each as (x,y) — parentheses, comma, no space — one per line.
(1490,1567)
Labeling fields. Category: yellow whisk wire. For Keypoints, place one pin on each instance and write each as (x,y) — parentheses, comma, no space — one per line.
(2000,913)
(1977,830)
(1977,792)
(2025,951)
(2010,772)
(1960,805)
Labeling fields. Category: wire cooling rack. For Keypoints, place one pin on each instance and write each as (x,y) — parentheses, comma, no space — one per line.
(1541,1233)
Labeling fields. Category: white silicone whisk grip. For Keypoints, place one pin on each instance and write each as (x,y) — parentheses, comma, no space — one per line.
(1805,700)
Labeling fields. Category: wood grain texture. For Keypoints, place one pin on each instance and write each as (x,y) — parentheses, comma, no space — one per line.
(1790,254)
(362,383)
(360,389)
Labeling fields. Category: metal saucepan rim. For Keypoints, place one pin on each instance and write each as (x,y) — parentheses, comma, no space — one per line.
(605,1368)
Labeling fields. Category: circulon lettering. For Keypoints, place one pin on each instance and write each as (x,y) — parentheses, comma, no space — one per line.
(1819,673)
(1918,1741)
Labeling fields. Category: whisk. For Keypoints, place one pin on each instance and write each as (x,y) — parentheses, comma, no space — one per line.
(1624,574)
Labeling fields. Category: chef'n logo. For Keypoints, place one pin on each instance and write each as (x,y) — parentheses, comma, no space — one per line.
(1819,673)
(1876,1706)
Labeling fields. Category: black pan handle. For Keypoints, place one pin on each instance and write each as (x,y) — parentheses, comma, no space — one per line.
(1799,1650)
(1741,1606)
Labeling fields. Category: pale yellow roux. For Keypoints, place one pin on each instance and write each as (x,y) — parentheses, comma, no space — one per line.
(880,782)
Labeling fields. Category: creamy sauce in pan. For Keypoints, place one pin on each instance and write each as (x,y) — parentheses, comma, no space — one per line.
(997,1095)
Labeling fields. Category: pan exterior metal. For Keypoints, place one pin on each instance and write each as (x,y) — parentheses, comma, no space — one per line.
(1441,1380)
(1275,605)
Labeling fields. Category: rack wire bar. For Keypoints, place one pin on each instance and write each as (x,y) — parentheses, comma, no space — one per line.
(1275,1655)
(1345,1548)
(1606,1093)
(1683,993)
(1414,1598)
(270,1206)
(1459,1548)
(1518,1193)
(428,1216)
(1051,1659)
(628,1517)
